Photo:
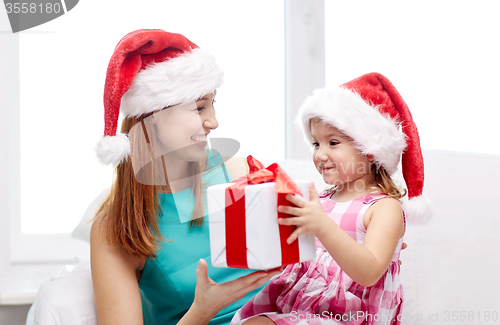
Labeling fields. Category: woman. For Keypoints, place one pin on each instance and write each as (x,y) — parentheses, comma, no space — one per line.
(149,240)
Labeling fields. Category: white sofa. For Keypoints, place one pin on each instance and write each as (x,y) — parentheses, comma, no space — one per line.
(449,269)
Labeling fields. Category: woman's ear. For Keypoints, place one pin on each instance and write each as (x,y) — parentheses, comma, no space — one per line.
(153,124)
(145,132)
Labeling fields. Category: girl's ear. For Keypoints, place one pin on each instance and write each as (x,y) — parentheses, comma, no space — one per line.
(370,158)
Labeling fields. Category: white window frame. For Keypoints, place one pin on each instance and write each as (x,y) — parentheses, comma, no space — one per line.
(304,65)
(17,247)
(9,100)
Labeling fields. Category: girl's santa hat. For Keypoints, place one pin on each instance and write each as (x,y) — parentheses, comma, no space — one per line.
(151,69)
(370,110)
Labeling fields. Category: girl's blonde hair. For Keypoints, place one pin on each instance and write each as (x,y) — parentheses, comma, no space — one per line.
(132,208)
(384,182)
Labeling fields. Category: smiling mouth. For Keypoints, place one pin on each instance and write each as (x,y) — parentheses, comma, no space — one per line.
(326,169)
(199,138)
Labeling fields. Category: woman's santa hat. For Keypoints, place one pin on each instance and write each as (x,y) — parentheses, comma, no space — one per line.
(151,69)
(370,110)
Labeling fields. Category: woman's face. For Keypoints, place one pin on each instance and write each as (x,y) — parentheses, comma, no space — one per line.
(182,130)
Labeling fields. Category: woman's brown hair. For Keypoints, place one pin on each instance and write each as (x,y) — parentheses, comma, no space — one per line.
(132,207)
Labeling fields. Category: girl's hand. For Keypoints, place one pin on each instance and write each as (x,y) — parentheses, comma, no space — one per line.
(309,217)
(211,297)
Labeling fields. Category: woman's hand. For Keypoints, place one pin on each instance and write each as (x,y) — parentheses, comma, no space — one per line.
(309,216)
(211,297)
(402,247)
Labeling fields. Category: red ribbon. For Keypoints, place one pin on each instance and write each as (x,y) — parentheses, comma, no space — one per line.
(236,249)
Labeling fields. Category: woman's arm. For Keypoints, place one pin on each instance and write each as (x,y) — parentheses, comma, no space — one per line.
(114,277)
(365,263)
(211,297)
(116,288)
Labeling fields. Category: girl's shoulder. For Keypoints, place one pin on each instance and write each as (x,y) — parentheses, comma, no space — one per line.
(374,197)
(385,207)
(366,198)
(380,201)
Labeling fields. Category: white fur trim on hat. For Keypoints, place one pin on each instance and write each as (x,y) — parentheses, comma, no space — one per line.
(418,210)
(178,80)
(113,150)
(372,132)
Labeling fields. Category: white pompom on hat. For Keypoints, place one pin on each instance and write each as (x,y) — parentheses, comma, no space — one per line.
(151,69)
(370,110)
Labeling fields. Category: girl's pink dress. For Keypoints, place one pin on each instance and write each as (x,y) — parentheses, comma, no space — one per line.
(319,292)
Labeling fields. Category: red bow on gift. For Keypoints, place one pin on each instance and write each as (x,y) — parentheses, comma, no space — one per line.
(236,248)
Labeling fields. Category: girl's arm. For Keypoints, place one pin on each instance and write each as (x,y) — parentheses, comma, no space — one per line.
(114,278)
(365,263)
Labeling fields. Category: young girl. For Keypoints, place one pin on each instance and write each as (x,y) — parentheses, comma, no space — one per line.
(149,242)
(359,222)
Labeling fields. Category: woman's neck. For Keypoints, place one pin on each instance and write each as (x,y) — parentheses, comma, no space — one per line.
(179,175)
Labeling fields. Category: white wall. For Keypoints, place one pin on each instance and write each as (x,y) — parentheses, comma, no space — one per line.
(442,56)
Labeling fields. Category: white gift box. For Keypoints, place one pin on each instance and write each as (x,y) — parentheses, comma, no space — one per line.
(263,244)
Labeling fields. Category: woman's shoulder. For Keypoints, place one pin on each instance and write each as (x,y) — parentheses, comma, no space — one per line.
(98,233)
(102,247)
(237,166)
(98,227)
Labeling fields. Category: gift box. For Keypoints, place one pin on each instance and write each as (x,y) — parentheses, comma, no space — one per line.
(243,221)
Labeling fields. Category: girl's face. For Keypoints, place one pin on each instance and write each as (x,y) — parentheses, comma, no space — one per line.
(336,157)
(182,130)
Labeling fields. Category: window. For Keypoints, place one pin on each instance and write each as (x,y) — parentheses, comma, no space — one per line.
(62,69)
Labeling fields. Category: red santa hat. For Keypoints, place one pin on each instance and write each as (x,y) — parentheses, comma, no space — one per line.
(151,69)
(370,110)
